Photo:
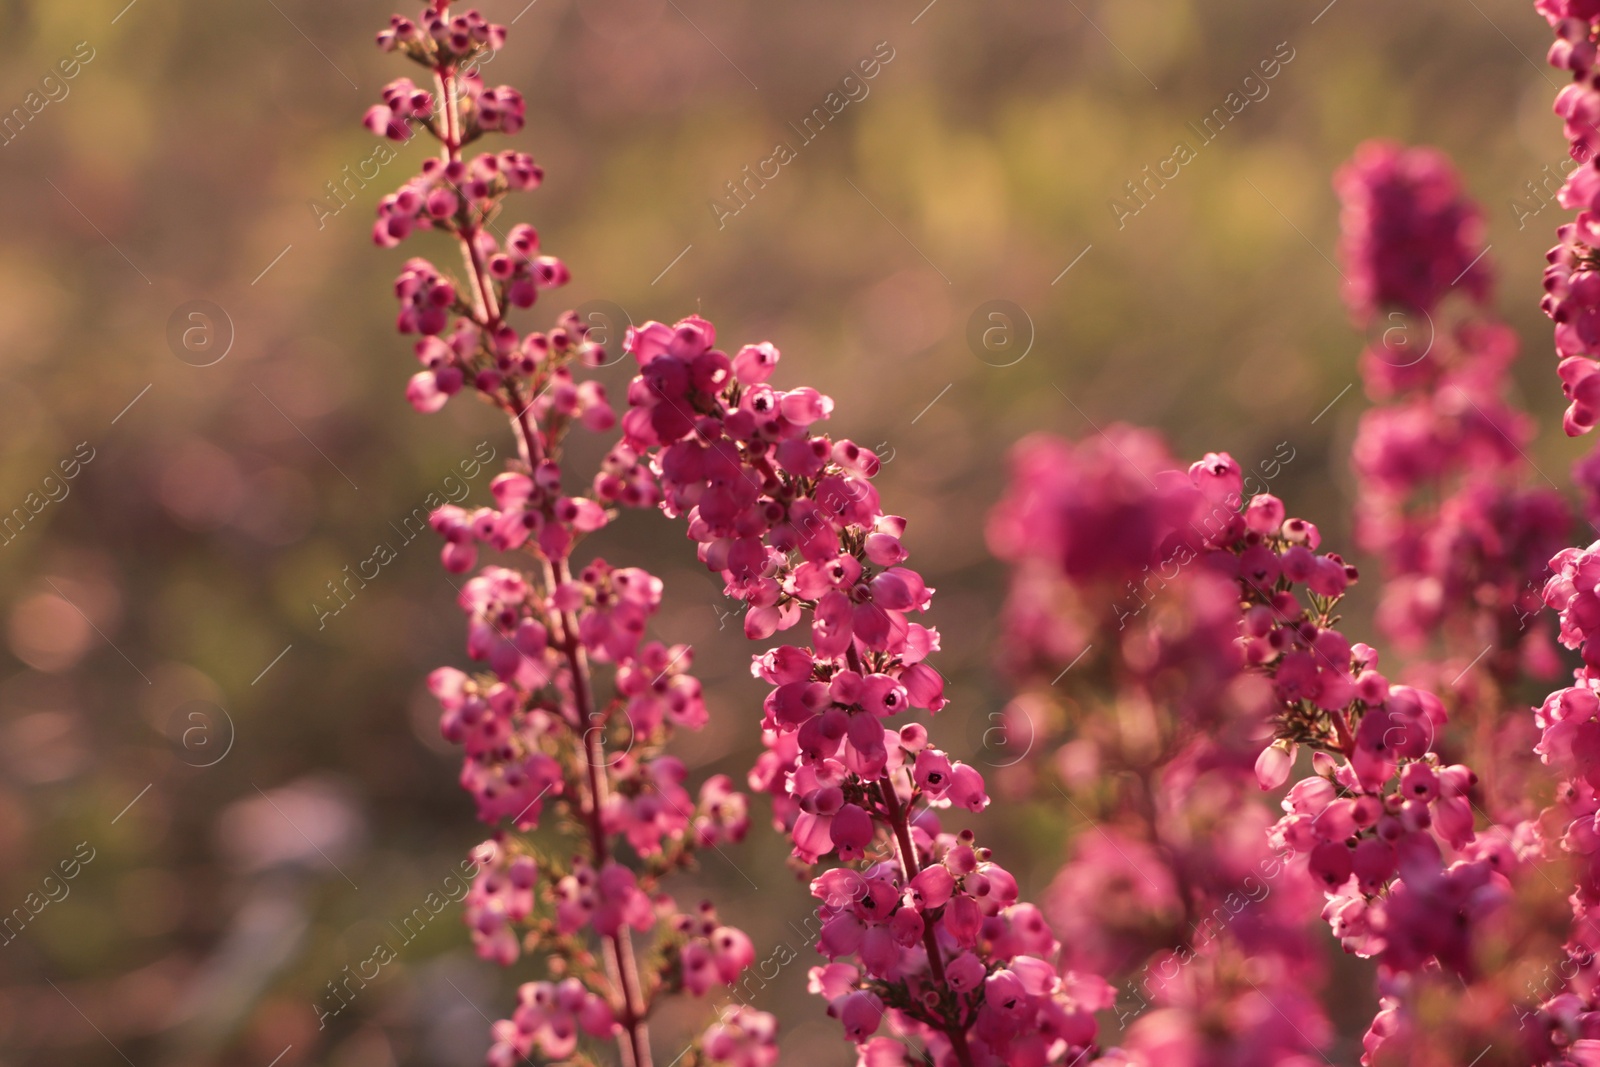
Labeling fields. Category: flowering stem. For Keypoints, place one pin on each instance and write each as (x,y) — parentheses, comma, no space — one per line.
(911,866)
(483,299)
(482,291)
(527,436)
(634,1040)
(538,624)
(899,817)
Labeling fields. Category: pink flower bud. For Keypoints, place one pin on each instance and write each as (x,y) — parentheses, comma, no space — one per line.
(907,926)
(1373,863)
(932,772)
(965,973)
(1004,991)
(963,919)
(1453,820)
(1418,782)
(852,829)
(931,888)
(861,1012)
(1264,515)
(966,788)
(754,364)
(1273,765)
(1331,864)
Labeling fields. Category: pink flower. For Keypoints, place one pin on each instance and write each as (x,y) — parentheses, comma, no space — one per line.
(861,1013)
(1408,236)
(965,972)
(742,1037)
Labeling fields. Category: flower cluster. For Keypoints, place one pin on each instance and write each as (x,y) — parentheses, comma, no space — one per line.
(1383,829)
(1441,461)
(1407,234)
(501,896)
(742,1037)
(1569,721)
(571,703)
(547,1020)
(402,103)
(1180,893)
(1241,607)
(1463,541)
(1174,631)
(1572,282)
(442,193)
(1554,1015)
(934,939)
(440,41)
(1387,824)
(1109,543)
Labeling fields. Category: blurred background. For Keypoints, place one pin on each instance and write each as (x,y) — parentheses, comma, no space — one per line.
(202,419)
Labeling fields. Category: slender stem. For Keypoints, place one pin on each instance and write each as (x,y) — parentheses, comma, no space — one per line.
(634,1039)
(954,1029)
(484,304)
(482,289)
(1342,728)
(911,866)
(528,436)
